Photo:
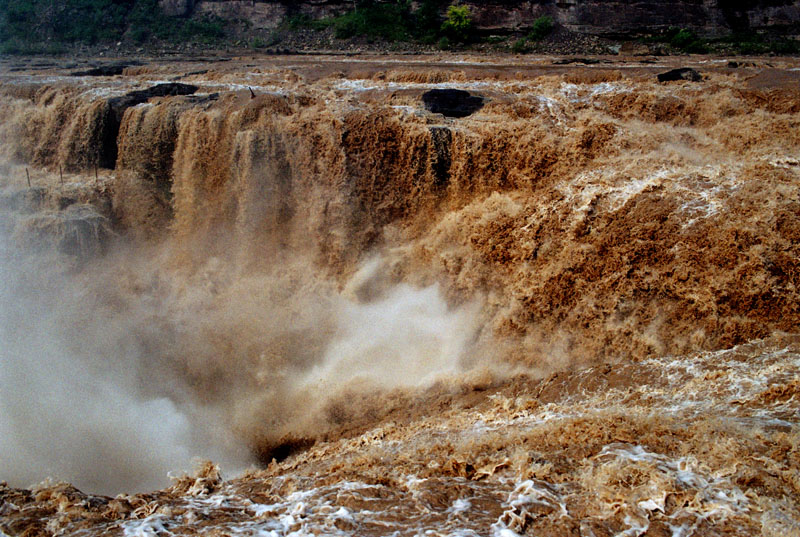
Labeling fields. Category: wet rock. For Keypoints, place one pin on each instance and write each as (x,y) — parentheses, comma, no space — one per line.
(284,448)
(451,102)
(584,61)
(66,201)
(737,64)
(203,99)
(633,48)
(684,73)
(111,69)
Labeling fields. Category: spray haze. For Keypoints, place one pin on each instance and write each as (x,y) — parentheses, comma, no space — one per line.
(119,369)
(79,401)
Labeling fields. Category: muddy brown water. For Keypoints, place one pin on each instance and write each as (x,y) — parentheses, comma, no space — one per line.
(573,314)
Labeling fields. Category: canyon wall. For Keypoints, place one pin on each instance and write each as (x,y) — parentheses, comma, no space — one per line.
(596,17)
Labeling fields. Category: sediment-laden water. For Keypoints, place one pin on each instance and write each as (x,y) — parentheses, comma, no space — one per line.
(572,311)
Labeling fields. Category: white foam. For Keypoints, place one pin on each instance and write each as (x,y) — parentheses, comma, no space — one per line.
(500,531)
(575,93)
(459,506)
(651,505)
(359,85)
(464,533)
(636,527)
(152,526)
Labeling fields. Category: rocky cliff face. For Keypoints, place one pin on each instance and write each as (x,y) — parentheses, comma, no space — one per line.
(597,17)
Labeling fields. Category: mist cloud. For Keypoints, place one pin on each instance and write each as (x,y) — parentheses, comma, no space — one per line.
(124,369)
(74,403)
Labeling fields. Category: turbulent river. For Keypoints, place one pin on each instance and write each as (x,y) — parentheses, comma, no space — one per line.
(287,295)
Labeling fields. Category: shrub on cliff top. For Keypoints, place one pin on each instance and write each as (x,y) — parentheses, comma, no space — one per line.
(303,20)
(687,41)
(458,24)
(542,27)
(392,20)
(520,46)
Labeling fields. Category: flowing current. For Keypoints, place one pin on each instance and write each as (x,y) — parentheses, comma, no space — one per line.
(323,309)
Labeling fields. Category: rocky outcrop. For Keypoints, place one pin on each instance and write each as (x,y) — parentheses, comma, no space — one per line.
(684,73)
(120,104)
(597,17)
(707,17)
(111,69)
(451,102)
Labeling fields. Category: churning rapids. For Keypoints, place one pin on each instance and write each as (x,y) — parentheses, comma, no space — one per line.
(571,310)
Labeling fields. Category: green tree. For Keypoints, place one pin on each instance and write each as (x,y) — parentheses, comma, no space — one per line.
(541,28)
(520,46)
(458,24)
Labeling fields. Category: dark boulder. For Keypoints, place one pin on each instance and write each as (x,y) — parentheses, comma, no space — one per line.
(451,102)
(684,73)
(737,64)
(111,69)
(584,61)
